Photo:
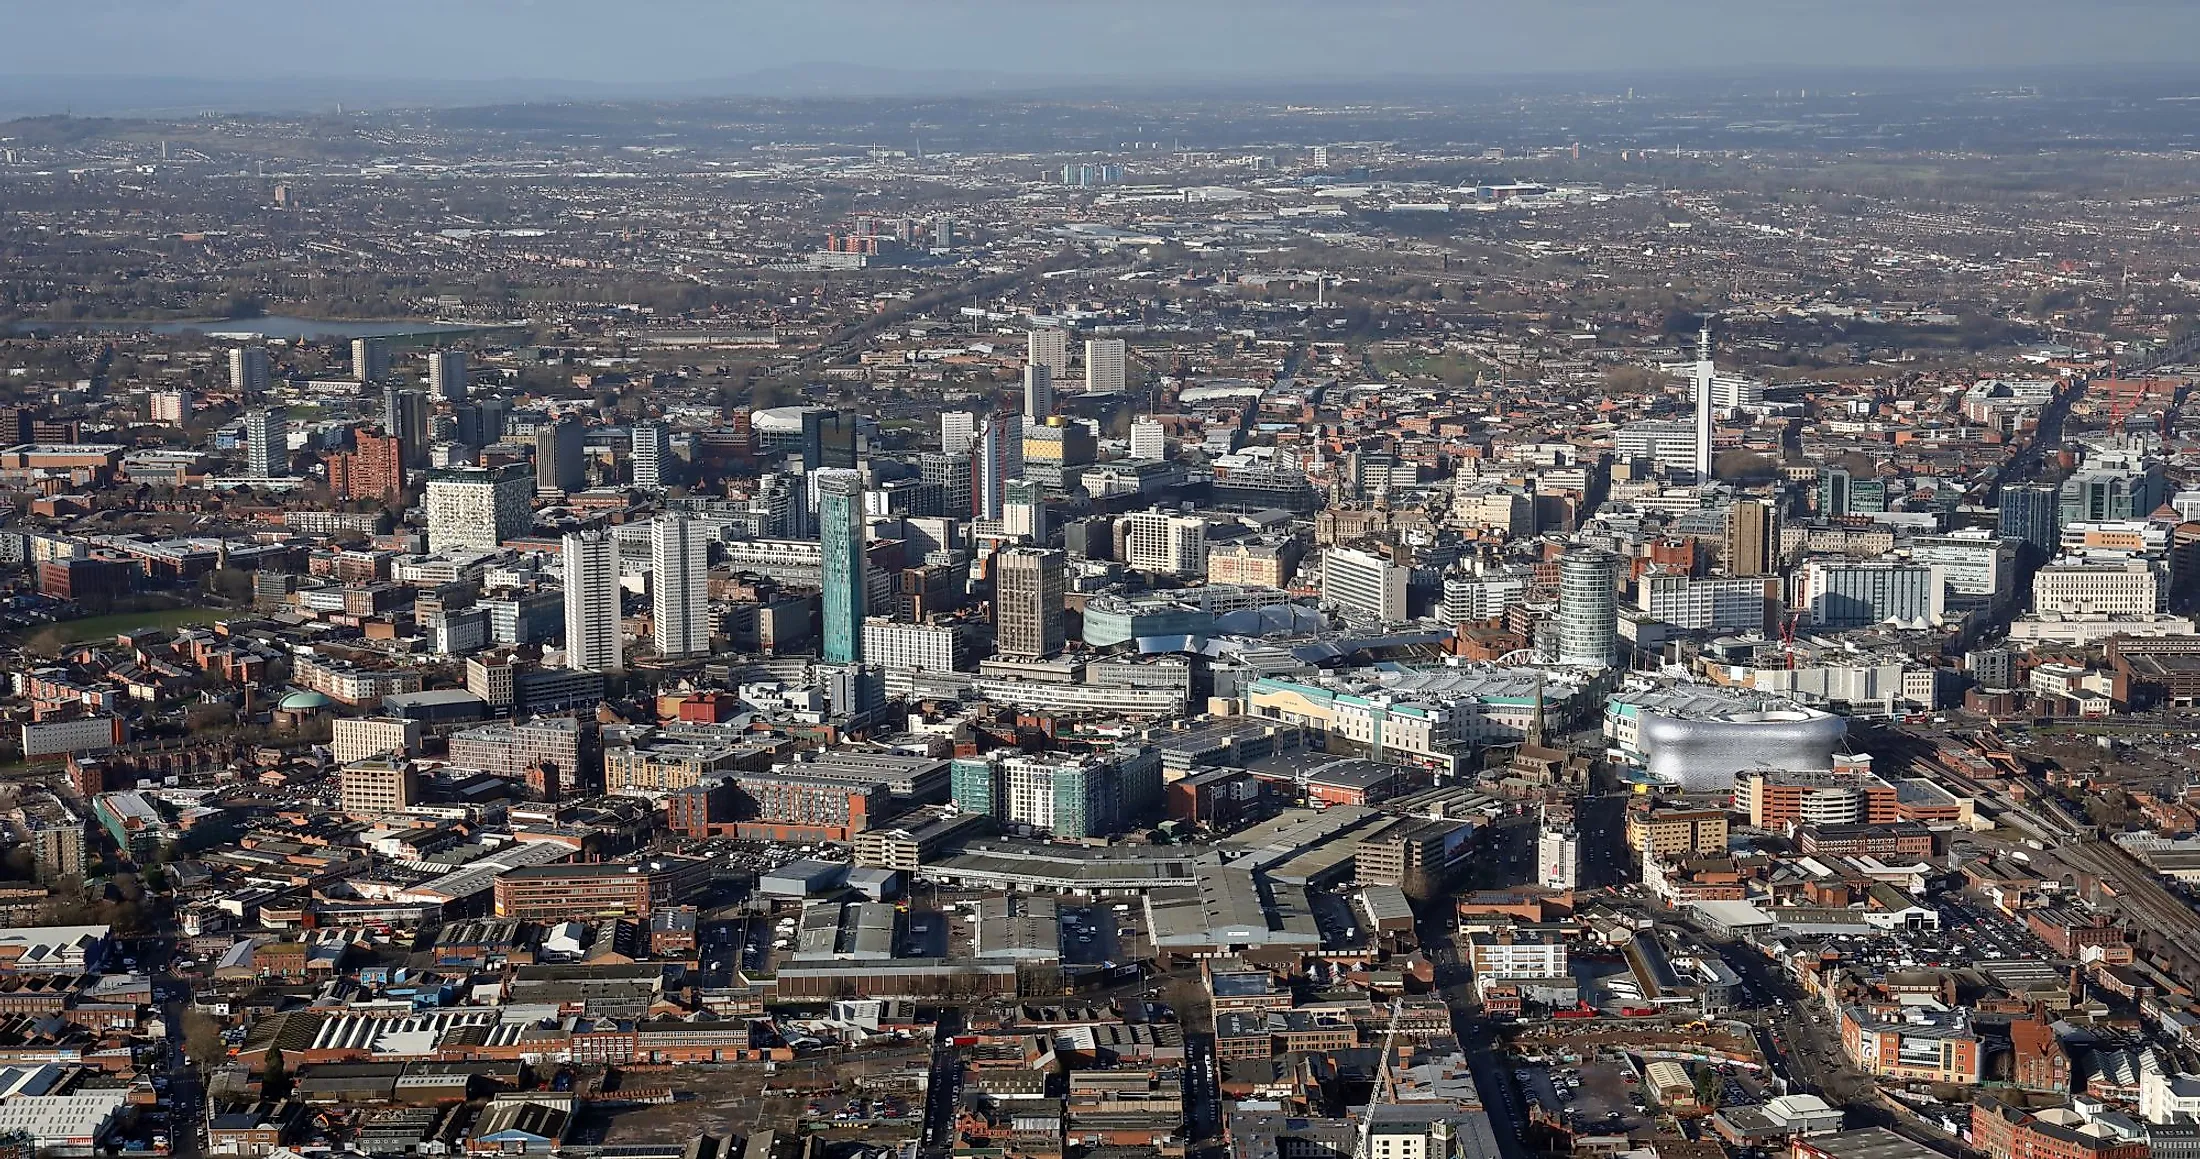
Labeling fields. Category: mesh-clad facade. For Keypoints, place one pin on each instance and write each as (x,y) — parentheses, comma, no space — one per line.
(1707,754)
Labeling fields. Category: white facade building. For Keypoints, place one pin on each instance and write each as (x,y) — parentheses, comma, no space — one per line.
(592,634)
(2075,586)
(923,647)
(679,584)
(958,429)
(1104,365)
(652,447)
(1483,596)
(1169,544)
(478,508)
(1364,586)
(1149,440)
(1558,852)
(1706,604)
(1977,566)
(1510,954)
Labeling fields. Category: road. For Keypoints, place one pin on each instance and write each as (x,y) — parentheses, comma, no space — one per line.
(2048,433)
(1477,1040)
(1602,823)
(186,1095)
(944,1089)
(1202,1088)
(1795,1038)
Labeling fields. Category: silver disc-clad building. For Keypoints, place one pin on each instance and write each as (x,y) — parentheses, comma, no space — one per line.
(1698,738)
(1706,754)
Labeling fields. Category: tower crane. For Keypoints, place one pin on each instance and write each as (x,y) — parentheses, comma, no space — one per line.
(1383,1086)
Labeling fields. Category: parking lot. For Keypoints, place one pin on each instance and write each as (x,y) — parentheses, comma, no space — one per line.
(1972,930)
(727,1100)
(1089,936)
(838,1110)
(1594,1097)
(1605,981)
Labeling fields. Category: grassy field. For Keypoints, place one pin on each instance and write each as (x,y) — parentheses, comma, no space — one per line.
(1452,369)
(54,636)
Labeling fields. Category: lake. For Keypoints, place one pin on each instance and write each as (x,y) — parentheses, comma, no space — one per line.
(270,327)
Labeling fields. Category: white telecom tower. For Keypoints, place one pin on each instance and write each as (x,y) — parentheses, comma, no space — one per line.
(1704,374)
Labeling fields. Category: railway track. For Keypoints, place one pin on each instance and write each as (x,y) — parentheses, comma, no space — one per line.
(2156,914)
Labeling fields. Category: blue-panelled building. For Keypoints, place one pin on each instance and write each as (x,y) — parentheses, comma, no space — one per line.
(840,533)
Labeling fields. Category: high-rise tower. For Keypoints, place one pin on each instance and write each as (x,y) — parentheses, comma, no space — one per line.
(840,535)
(558,450)
(990,468)
(1104,365)
(1704,373)
(1048,346)
(248,373)
(591,561)
(679,582)
(370,359)
(1588,608)
(652,450)
(447,375)
(1038,392)
(266,443)
(1752,538)
(1027,607)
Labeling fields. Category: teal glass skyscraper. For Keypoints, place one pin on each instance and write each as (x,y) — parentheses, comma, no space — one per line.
(840,534)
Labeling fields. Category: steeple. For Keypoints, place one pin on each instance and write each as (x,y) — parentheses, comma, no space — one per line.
(1535,715)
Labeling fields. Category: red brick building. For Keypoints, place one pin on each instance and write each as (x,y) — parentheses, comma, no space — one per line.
(2038,1061)
(2006,1132)
(703,811)
(1902,839)
(376,470)
(91,578)
(2070,932)
(567,892)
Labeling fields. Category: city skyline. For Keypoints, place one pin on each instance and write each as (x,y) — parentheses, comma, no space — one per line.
(962,46)
(1100,589)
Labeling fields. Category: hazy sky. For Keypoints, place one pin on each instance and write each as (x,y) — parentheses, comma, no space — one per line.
(627,41)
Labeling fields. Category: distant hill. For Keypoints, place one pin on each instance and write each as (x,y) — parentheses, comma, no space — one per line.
(150,96)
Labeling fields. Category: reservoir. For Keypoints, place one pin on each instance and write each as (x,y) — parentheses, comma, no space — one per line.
(268,328)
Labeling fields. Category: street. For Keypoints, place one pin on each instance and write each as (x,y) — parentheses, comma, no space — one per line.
(1477,1040)
(944,1088)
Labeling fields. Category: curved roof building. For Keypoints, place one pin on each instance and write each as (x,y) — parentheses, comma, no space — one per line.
(1706,754)
(1698,738)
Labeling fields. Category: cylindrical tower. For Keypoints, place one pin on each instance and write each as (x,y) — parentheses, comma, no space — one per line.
(1588,608)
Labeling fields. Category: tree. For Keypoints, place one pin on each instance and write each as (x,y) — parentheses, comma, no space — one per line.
(1187,996)
(202,1040)
(1708,1089)
(230,584)
(1038,981)
(1744,465)
(274,1076)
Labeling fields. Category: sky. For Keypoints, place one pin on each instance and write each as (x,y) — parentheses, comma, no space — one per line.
(641,42)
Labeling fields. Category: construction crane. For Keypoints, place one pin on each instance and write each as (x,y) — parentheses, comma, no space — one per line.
(1787,636)
(1383,1087)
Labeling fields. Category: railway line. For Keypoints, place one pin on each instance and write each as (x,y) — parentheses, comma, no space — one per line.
(2160,918)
